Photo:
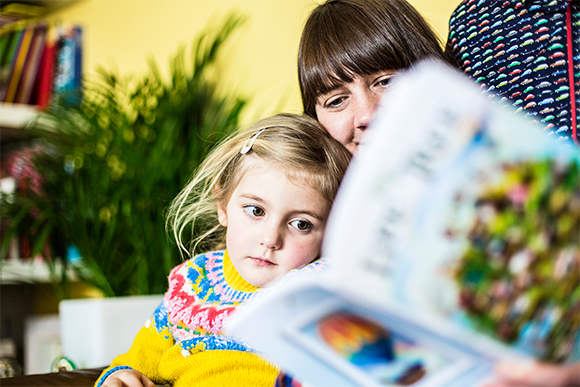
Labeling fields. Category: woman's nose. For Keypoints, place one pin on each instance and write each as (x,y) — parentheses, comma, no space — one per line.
(365,108)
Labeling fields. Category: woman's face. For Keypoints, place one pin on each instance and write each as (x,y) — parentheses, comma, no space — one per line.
(345,112)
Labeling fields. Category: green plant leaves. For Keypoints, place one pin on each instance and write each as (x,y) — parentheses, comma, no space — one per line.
(114,163)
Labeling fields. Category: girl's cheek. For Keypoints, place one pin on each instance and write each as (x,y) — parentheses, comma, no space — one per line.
(307,253)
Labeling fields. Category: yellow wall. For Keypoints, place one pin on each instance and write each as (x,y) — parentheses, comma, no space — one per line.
(259,62)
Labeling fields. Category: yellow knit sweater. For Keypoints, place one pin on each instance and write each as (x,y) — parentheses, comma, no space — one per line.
(183,344)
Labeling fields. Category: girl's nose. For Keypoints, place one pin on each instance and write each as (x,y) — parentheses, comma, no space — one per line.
(365,108)
(272,238)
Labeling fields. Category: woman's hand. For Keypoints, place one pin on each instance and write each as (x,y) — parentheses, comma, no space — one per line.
(535,374)
(127,378)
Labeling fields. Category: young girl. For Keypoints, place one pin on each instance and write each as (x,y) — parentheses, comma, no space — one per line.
(264,195)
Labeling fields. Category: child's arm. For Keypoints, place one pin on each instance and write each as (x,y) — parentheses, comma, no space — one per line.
(144,355)
(126,377)
(218,368)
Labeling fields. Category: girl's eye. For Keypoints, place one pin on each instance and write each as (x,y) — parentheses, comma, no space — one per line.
(254,211)
(301,225)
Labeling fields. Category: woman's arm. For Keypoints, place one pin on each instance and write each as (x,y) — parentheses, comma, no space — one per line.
(536,374)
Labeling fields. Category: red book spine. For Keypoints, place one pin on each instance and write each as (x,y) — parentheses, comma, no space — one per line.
(46,71)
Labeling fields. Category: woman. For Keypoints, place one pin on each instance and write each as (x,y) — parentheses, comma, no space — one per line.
(525,53)
(348,52)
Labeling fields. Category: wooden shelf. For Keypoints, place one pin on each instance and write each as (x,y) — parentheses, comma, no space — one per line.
(32,271)
(16,115)
(13,121)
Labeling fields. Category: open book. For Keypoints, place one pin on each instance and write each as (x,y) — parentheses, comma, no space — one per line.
(454,242)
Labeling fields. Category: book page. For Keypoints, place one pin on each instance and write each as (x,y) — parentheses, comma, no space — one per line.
(453,244)
(462,212)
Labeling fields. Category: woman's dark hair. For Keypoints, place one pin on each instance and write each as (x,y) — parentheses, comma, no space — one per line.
(343,38)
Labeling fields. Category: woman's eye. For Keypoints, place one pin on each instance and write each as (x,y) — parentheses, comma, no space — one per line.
(254,211)
(333,103)
(301,224)
(384,82)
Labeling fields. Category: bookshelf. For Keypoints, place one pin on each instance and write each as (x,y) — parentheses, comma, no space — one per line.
(13,120)
(15,116)
(33,271)
(38,60)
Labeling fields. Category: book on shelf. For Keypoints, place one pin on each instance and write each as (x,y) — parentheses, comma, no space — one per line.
(14,17)
(453,243)
(68,70)
(44,86)
(17,67)
(39,60)
(30,70)
(13,38)
(20,176)
(5,41)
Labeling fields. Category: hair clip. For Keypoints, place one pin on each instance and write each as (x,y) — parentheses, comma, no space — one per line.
(250,142)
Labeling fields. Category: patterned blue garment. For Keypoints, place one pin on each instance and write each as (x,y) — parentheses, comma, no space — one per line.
(527,52)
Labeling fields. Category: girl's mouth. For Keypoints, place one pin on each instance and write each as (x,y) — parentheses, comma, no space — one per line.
(262,262)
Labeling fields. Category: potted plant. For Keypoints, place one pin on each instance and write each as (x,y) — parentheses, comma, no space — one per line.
(110,164)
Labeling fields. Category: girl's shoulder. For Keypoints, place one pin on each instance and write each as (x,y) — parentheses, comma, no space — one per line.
(316,267)
(201,263)
(197,272)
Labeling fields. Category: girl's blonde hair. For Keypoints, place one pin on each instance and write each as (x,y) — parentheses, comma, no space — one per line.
(297,143)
